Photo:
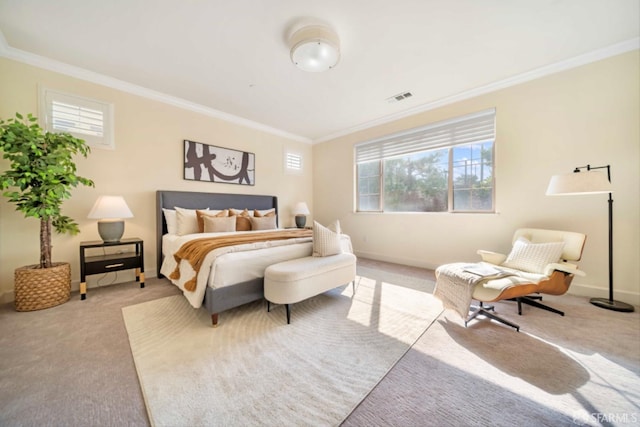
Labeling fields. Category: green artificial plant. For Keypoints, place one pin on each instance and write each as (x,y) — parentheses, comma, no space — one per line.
(41,175)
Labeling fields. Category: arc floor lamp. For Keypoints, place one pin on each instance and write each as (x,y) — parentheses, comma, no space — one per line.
(591,182)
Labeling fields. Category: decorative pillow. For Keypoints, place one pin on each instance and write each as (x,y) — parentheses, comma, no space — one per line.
(533,257)
(326,240)
(171,220)
(240,211)
(200,214)
(266,212)
(215,224)
(263,223)
(242,219)
(187,221)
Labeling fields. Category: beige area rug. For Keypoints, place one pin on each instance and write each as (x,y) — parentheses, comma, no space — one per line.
(254,369)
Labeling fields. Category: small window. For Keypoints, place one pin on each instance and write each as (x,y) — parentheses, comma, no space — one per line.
(84,118)
(292,162)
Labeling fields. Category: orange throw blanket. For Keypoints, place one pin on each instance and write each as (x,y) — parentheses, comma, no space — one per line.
(196,250)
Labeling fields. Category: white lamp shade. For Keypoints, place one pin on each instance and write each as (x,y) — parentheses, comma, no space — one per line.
(110,207)
(315,48)
(300,208)
(590,182)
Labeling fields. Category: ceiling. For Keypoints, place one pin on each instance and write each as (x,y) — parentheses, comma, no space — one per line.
(231,58)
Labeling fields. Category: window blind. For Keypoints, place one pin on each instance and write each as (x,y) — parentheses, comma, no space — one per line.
(67,117)
(85,118)
(294,161)
(468,129)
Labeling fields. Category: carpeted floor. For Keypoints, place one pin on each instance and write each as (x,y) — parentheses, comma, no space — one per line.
(255,369)
(71,365)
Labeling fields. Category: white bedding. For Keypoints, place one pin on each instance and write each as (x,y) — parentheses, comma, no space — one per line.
(233,264)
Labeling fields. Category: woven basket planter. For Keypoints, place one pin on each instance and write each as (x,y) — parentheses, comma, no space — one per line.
(38,288)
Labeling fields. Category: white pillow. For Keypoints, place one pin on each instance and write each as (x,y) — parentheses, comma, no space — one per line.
(326,240)
(213,224)
(533,257)
(187,221)
(171,220)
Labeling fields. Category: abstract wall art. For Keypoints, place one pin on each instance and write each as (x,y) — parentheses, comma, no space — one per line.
(204,162)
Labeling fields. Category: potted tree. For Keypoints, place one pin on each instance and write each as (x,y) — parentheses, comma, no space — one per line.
(39,178)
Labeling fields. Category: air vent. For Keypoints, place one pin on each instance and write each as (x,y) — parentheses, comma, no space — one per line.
(399,97)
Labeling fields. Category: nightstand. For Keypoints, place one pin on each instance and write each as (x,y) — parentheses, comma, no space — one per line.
(123,260)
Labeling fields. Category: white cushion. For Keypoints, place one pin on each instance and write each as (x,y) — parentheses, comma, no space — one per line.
(187,221)
(533,257)
(171,220)
(326,240)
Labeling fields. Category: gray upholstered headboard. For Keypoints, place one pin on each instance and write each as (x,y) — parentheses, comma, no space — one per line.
(193,200)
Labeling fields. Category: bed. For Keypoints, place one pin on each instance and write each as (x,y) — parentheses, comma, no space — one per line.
(236,276)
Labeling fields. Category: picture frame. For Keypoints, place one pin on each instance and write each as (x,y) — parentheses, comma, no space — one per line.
(204,162)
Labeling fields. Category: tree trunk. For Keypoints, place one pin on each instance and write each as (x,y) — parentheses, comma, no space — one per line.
(45,243)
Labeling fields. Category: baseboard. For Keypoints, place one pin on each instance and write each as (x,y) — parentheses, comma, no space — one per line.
(584,290)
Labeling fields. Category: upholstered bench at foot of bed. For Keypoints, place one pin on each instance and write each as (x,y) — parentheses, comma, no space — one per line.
(292,281)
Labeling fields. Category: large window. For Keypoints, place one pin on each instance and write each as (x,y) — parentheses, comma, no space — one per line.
(443,167)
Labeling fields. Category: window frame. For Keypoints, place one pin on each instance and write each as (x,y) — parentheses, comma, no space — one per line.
(411,133)
(48,96)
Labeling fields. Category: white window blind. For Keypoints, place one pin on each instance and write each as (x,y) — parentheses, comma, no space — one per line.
(84,118)
(292,162)
(468,129)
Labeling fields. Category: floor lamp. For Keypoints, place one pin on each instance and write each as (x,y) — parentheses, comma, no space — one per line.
(590,182)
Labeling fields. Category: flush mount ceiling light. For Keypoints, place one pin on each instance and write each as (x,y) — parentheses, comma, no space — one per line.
(315,48)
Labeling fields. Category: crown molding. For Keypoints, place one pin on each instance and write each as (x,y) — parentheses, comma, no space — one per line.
(90,76)
(577,61)
(80,73)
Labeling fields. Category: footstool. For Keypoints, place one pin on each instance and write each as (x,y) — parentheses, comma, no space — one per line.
(295,280)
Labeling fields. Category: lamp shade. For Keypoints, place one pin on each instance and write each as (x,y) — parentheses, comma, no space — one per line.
(315,48)
(590,182)
(300,208)
(110,207)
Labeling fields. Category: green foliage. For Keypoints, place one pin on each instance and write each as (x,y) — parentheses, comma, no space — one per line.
(41,172)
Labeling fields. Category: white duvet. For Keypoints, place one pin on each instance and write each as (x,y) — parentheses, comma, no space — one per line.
(232,264)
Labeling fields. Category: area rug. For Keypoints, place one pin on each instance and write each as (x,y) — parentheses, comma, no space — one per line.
(254,369)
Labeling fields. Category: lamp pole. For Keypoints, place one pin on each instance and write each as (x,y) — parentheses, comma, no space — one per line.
(610,303)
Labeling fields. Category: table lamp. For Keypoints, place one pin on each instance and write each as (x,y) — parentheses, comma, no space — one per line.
(301,210)
(110,211)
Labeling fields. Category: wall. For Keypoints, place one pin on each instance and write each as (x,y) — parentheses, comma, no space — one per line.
(586,115)
(148,157)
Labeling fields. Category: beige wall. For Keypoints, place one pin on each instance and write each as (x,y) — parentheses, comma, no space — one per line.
(148,157)
(586,115)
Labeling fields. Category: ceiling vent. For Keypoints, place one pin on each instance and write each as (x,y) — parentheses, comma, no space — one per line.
(399,97)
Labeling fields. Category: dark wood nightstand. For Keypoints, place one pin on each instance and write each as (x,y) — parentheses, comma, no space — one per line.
(106,263)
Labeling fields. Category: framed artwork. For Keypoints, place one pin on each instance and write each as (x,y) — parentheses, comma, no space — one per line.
(204,162)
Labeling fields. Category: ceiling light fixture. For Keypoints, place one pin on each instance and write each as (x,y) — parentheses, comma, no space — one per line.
(315,48)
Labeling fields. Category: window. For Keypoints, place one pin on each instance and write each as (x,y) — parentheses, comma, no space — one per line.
(84,118)
(292,162)
(442,167)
